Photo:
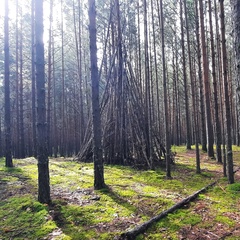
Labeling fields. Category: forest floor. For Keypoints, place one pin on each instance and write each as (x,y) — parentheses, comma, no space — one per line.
(132,197)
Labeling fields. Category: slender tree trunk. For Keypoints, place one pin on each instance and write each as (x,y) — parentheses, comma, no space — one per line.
(230,172)
(63,125)
(156,69)
(7,108)
(43,162)
(185,84)
(21,120)
(214,79)
(167,143)
(16,138)
(220,89)
(193,89)
(49,82)
(236,27)
(34,134)
(202,110)
(97,148)
(207,89)
(55,129)
(147,90)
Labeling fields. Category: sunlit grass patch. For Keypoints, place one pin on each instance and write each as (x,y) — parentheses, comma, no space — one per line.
(24,217)
(130,198)
(168,227)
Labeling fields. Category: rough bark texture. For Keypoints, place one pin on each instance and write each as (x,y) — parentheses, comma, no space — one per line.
(8,151)
(202,110)
(206,83)
(34,134)
(166,119)
(236,28)
(227,109)
(97,150)
(43,169)
(214,80)
(185,81)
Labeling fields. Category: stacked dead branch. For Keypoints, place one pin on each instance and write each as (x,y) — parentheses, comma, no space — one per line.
(124,135)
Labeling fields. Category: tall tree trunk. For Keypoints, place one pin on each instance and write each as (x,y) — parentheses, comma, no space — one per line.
(49,82)
(7,108)
(55,128)
(202,110)
(236,27)
(43,162)
(16,138)
(185,84)
(147,90)
(214,79)
(156,70)
(230,172)
(97,148)
(206,82)
(193,89)
(220,89)
(167,142)
(63,120)
(21,120)
(34,134)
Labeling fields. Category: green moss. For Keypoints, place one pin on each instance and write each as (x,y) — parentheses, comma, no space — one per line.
(179,149)
(235,187)
(26,216)
(225,220)
(130,193)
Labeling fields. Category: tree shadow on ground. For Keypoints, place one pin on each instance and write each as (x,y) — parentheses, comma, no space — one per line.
(13,182)
(117,198)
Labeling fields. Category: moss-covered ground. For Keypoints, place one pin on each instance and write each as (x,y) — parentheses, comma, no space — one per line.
(131,197)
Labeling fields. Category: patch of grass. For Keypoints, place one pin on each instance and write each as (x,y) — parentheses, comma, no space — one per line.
(24,217)
(235,148)
(179,149)
(225,220)
(235,187)
(168,227)
(130,198)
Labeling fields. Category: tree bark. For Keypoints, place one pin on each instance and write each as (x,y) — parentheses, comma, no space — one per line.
(43,162)
(21,117)
(215,95)
(236,31)
(206,82)
(97,148)
(7,108)
(167,142)
(193,89)
(227,112)
(34,134)
(185,83)
(147,89)
(49,82)
(202,110)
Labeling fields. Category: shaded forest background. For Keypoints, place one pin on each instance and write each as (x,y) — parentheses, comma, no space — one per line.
(161,82)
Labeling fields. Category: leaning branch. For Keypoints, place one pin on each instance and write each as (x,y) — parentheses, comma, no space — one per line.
(131,234)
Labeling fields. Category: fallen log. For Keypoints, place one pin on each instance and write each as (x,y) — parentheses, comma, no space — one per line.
(133,233)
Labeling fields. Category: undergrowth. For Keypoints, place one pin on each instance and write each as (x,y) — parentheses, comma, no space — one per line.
(130,198)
